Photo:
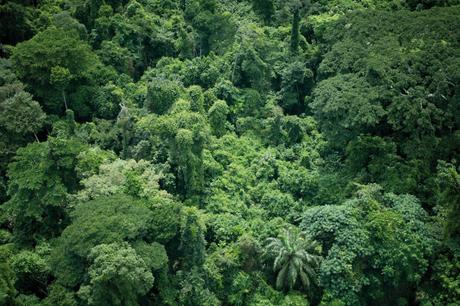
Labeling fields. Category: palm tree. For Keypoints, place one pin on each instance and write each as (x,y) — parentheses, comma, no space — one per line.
(294,257)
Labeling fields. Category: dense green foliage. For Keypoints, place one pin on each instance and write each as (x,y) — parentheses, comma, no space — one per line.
(224,152)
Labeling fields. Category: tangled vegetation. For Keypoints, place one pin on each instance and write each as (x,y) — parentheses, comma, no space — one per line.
(224,152)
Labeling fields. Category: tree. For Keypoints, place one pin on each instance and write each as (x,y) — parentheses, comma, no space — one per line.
(345,106)
(117,276)
(60,77)
(448,180)
(192,242)
(40,179)
(275,128)
(254,58)
(294,258)
(15,20)
(194,291)
(296,83)
(20,114)
(59,295)
(121,177)
(264,8)
(373,159)
(111,53)
(209,20)
(395,88)
(195,93)
(105,220)
(138,179)
(298,8)
(140,34)
(90,160)
(217,115)
(188,163)
(376,247)
(32,272)
(184,134)
(161,94)
(124,121)
(54,56)
(7,290)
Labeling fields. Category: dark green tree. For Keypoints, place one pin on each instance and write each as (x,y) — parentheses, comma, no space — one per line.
(32,272)
(298,9)
(208,18)
(192,242)
(197,98)
(217,115)
(448,180)
(119,267)
(53,61)
(7,290)
(362,240)
(161,94)
(264,8)
(20,114)
(105,220)
(40,179)
(124,121)
(15,20)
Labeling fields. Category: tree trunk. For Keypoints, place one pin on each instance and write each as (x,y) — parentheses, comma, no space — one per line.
(65,100)
(295,32)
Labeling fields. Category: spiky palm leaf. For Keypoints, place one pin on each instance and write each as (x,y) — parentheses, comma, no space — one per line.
(294,257)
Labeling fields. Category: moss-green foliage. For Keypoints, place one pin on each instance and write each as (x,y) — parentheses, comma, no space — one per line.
(99,224)
(363,246)
(207,152)
(217,115)
(51,52)
(192,243)
(40,179)
(184,133)
(21,118)
(161,95)
(32,272)
(385,93)
(20,114)
(7,277)
(116,266)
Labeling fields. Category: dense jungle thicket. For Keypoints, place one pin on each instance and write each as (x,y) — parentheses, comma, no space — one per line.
(230,152)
